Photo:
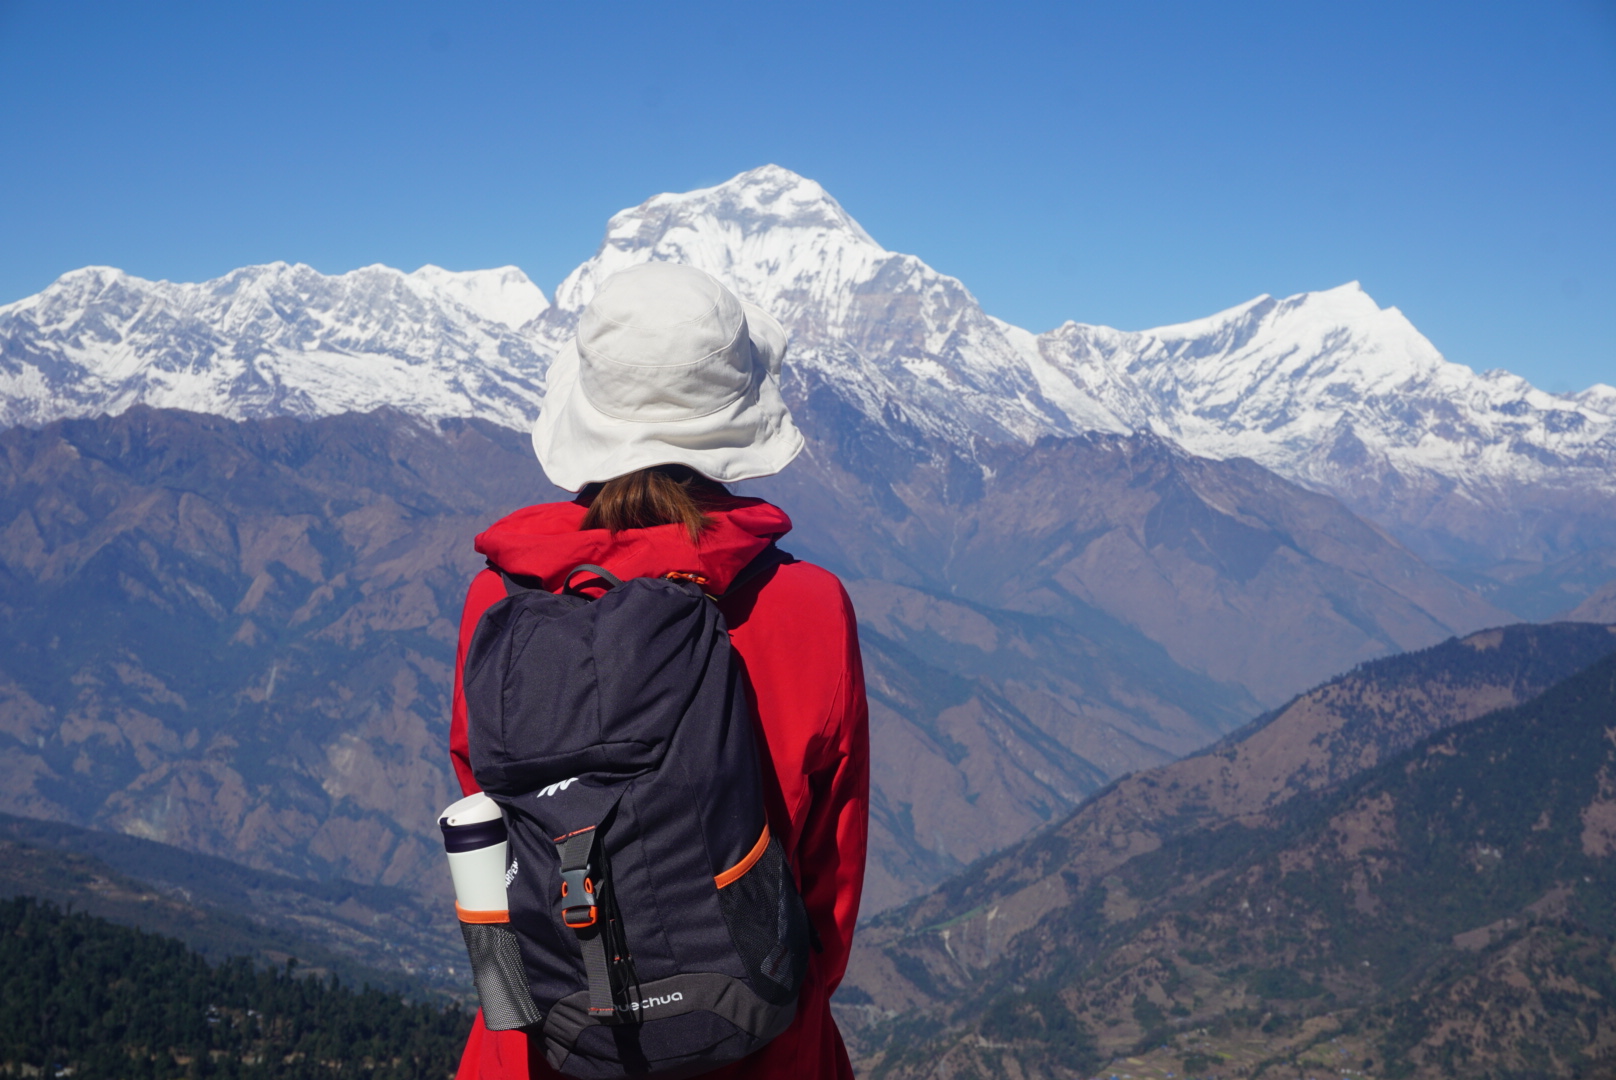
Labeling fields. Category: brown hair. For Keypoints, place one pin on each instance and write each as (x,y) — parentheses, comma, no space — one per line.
(660,495)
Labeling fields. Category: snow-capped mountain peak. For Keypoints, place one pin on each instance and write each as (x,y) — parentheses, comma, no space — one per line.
(768,233)
(889,331)
(1599,397)
(1331,389)
(504,295)
(768,197)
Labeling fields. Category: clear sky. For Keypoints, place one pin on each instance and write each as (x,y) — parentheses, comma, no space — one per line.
(1131,163)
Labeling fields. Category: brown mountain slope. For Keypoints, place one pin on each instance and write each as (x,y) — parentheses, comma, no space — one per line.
(1545,591)
(986,724)
(1598,608)
(237,638)
(1239,575)
(1116,548)
(933,946)
(1446,913)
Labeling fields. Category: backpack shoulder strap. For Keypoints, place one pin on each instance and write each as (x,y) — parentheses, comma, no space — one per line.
(770,556)
(582,890)
(520,583)
(766,559)
(515,583)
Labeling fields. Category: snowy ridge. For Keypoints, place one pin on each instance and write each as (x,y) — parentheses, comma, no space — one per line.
(273,340)
(1331,390)
(504,295)
(1326,388)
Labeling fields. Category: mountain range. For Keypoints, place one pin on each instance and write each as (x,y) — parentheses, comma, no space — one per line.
(237,636)
(1477,472)
(235,520)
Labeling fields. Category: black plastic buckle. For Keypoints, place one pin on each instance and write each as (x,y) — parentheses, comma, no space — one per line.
(578,896)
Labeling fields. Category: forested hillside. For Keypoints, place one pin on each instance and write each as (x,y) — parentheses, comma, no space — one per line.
(82,997)
(387,937)
(1445,913)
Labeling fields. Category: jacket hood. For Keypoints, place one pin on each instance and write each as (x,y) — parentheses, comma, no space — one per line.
(546,541)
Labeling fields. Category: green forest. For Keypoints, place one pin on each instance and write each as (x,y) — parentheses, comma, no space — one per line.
(83,998)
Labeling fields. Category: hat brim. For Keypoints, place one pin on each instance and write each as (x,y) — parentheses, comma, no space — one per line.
(752,436)
(768,337)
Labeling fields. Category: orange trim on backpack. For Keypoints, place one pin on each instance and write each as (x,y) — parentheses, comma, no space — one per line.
(684,575)
(579,925)
(481,916)
(738,871)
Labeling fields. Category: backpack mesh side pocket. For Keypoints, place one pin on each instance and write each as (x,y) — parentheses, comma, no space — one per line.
(769,926)
(496,967)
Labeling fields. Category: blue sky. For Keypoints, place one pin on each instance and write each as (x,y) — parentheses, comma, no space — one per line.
(1131,163)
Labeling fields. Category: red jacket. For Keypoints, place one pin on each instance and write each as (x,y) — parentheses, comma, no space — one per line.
(795,633)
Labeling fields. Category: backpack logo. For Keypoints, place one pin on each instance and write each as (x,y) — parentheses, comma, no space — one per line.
(560,785)
(510,874)
(651,1002)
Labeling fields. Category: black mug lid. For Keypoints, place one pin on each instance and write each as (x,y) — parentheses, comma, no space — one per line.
(478,834)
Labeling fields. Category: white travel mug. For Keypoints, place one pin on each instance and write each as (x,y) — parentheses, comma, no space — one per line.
(475,837)
(477,844)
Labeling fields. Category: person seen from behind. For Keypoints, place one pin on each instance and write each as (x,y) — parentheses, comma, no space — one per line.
(670,391)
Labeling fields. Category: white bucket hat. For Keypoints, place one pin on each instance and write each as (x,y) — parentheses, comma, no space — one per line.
(668,368)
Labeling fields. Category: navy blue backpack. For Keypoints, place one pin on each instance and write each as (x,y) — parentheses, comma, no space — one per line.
(660,932)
